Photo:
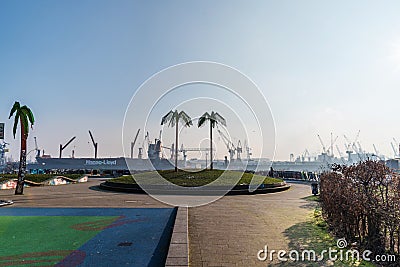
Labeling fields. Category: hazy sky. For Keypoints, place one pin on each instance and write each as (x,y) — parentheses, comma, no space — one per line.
(323,66)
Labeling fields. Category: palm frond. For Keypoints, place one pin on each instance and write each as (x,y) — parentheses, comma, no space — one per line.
(15,108)
(22,114)
(27,111)
(218,118)
(185,118)
(25,124)
(202,120)
(167,117)
(16,118)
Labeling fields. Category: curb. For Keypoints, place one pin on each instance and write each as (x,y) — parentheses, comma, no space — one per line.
(178,252)
(237,190)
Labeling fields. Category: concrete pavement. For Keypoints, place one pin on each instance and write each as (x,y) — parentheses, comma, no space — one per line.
(79,195)
(228,232)
(231,231)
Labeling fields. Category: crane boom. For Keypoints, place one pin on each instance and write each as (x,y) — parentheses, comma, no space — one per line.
(91,136)
(394,149)
(94,144)
(348,145)
(229,145)
(376,150)
(63,147)
(333,141)
(322,143)
(134,142)
(358,135)
(338,150)
(69,142)
(37,148)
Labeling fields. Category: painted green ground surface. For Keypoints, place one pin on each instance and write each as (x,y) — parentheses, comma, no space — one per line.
(85,236)
(45,240)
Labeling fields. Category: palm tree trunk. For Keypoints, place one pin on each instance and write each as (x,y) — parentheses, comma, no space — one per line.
(211,150)
(176,144)
(19,189)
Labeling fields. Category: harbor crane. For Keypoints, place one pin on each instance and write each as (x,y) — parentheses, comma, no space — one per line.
(357,150)
(360,150)
(350,146)
(394,150)
(248,150)
(171,150)
(185,150)
(333,142)
(322,143)
(239,150)
(397,145)
(37,148)
(134,142)
(94,144)
(146,139)
(376,152)
(340,154)
(328,151)
(395,141)
(62,147)
(229,145)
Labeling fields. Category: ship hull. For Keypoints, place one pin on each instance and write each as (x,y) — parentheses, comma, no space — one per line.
(100,164)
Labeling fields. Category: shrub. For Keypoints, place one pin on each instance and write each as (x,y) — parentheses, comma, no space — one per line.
(362,203)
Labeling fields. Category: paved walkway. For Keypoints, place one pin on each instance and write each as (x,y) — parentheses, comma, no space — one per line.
(79,195)
(228,232)
(231,231)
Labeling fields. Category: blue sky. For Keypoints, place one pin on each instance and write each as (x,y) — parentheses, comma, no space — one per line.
(323,66)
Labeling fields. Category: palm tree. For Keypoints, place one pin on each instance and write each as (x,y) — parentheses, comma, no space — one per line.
(173,118)
(214,119)
(24,116)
